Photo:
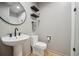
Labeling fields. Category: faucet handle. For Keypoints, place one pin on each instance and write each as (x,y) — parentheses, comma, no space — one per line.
(19,33)
(10,34)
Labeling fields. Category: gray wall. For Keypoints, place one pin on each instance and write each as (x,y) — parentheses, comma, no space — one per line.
(24,28)
(55,20)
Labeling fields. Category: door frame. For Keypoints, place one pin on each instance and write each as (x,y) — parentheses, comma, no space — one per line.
(73,24)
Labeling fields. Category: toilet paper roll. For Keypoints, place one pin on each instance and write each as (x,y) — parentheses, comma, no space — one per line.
(48,38)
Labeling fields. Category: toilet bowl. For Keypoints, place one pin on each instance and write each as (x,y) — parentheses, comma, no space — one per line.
(38,47)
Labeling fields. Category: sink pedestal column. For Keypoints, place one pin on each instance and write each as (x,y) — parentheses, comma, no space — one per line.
(18,50)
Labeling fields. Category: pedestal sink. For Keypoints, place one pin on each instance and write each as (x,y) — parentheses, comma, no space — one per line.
(16,42)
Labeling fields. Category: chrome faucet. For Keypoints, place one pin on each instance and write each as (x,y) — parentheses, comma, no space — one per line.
(16,29)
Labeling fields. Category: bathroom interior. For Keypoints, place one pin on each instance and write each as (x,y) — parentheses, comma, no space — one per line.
(39,28)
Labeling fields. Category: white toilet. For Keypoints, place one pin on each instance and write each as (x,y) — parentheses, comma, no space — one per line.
(38,47)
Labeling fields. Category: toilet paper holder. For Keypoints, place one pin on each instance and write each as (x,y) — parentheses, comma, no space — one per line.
(49,37)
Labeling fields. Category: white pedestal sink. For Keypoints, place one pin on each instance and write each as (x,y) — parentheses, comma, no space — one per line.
(16,42)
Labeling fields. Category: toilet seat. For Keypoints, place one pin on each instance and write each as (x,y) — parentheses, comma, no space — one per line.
(41,45)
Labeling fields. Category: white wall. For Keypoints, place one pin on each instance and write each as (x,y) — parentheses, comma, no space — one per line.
(24,28)
(55,20)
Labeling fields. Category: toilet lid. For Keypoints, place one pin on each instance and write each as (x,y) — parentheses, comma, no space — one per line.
(41,45)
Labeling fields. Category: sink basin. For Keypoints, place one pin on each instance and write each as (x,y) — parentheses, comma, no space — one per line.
(16,42)
(13,41)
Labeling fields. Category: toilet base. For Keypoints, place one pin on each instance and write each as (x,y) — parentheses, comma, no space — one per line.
(38,52)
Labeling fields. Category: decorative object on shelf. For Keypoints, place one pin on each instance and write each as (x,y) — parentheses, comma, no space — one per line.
(12,13)
(34,8)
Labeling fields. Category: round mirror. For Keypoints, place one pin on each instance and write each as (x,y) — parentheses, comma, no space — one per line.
(12,13)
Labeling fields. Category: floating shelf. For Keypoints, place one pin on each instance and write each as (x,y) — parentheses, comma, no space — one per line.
(34,8)
(34,15)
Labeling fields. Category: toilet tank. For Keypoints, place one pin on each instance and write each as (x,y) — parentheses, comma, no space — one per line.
(34,39)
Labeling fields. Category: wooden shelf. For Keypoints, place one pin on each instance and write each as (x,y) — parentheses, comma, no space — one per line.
(34,15)
(34,8)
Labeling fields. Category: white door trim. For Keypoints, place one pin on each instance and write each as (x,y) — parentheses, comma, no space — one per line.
(72,28)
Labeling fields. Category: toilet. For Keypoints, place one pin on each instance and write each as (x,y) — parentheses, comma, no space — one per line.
(38,48)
